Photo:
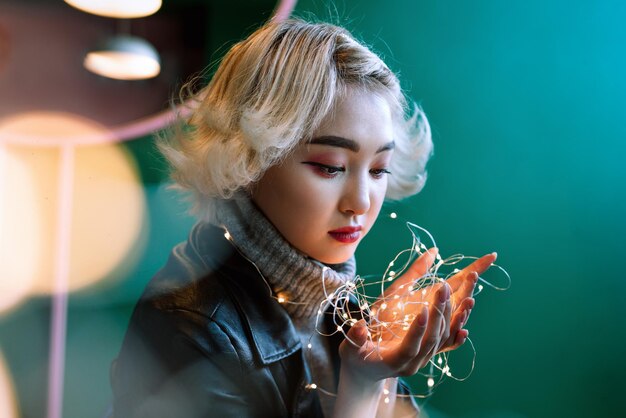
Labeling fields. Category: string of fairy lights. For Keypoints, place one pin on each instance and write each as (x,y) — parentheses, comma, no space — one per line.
(390,314)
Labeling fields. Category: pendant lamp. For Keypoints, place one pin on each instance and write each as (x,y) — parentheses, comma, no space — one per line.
(121,9)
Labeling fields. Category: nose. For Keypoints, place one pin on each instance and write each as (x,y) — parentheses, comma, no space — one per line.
(355,199)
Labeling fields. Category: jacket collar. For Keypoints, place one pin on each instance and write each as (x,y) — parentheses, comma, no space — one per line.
(271,329)
(273,334)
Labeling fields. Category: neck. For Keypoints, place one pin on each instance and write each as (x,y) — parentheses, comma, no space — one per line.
(298,281)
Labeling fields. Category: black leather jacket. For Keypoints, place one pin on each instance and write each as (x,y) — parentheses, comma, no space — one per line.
(207,340)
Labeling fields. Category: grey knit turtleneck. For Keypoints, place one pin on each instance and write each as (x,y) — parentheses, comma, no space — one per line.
(304,282)
(289,272)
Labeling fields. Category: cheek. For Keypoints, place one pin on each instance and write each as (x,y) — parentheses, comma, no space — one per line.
(377,197)
(302,201)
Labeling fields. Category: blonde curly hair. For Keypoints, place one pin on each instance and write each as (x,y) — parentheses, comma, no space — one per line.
(270,92)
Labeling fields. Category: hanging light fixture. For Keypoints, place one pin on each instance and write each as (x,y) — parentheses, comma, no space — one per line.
(122,9)
(124,57)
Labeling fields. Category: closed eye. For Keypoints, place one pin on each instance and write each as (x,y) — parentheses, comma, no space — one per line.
(325,169)
(378,173)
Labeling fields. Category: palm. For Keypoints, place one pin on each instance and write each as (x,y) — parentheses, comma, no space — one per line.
(401,302)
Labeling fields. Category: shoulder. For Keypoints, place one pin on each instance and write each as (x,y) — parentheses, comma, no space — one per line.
(210,296)
(191,299)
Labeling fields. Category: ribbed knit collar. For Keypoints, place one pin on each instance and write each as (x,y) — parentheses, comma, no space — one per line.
(299,279)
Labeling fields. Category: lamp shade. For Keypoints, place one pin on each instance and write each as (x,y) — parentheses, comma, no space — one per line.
(124,58)
(117,8)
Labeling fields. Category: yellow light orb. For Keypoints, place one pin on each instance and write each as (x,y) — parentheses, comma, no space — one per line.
(8,401)
(107,205)
(121,9)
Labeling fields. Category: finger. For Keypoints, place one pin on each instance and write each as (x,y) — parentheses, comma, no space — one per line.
(416,270)
(459,319)
(466,289)
(445,323)
(412,341)
(357,335)
(466,306)
(459,340)
(479,266)
(421,266)
(436,317)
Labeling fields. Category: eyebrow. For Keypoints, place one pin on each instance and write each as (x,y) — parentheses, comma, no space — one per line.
(350,144)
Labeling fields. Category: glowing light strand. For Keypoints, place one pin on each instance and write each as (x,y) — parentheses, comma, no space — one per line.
(388,313)
(350,302)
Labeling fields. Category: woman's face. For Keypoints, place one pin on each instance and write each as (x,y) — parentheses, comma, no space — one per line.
(326,195)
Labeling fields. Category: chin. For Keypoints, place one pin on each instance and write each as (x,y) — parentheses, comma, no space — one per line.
(335,258)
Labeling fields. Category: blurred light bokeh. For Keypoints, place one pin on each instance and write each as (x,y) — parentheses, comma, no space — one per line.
(526,100)
(8,400)
(107,211)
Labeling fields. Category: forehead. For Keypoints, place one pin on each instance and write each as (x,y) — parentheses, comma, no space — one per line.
(362,116)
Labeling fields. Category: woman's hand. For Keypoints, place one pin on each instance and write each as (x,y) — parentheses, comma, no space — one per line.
(393,351)
(410,325)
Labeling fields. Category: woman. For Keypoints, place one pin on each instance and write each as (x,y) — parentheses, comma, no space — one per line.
(294,145)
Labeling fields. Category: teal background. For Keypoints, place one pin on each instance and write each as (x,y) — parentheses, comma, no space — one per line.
(526,100)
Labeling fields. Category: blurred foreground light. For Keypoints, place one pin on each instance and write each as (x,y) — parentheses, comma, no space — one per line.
(8,402)
(124,58)
(117,8)
(107,208)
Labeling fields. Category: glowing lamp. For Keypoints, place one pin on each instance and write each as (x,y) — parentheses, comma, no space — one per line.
(117,8)
(124,58)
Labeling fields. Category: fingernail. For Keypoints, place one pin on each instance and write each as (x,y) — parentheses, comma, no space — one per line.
(471,303)
(444,293)
(422,317)
(361,332)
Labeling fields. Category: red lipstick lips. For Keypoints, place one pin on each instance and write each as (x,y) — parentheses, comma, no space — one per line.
(347,234)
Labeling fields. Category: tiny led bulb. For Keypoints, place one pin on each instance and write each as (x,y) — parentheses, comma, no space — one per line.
(386,391)
(227,235)
(387,400)
(281,299)
(309,345)
(393,215)
(431,382)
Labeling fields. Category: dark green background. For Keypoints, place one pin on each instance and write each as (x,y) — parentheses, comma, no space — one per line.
(526,100)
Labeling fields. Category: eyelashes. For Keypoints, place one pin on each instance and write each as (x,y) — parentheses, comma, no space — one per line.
(325,170)
(332,171)
(379,172)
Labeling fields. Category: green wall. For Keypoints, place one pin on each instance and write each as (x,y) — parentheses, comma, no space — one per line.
(527,103)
